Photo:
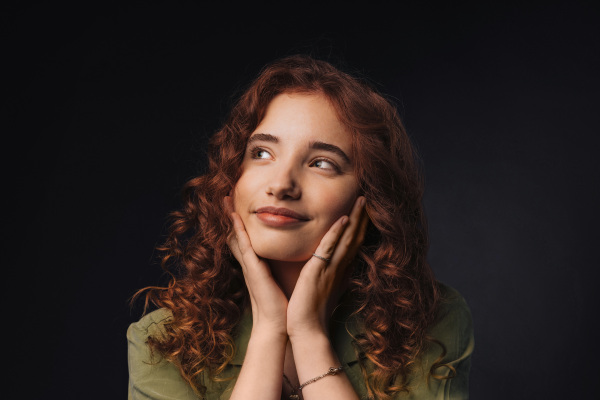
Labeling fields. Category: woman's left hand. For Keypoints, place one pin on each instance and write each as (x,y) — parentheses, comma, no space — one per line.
(320,283)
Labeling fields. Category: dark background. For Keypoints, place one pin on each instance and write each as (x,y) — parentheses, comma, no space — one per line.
(110,106)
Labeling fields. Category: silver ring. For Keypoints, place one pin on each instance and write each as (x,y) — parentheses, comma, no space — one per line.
(322,258)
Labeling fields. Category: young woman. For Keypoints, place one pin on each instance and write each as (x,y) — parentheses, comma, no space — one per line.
(298,261)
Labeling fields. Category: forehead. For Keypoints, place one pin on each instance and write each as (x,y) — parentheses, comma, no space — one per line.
(297,117)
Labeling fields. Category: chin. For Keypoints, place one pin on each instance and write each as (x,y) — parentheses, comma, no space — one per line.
(282,253)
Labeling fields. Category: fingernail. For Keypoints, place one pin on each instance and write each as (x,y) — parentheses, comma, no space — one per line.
(362,201)
(344,220)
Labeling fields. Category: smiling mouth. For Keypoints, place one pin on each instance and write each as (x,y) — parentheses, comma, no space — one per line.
(279,217)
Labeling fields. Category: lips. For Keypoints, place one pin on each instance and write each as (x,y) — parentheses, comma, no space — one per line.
(286,212)
(278,217)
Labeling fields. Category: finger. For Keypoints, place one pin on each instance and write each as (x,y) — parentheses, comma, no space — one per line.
(363,224)
(328,243)
(228,207)
(235,249)
(353,235)
(356,222)
(335,236)
(232,241)
(242,240)
(239,241)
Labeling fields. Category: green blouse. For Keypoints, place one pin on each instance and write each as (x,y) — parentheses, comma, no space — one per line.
(158,379)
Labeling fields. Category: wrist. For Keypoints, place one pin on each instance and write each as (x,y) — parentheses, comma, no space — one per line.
(314,357)
(307,330)
(312,340)
(271,332)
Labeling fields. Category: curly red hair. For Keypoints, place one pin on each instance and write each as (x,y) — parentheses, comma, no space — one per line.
(394,289)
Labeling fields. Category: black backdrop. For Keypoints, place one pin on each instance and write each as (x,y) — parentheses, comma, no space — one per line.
(110,106)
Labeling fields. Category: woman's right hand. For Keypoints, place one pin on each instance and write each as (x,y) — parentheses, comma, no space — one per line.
(269,304)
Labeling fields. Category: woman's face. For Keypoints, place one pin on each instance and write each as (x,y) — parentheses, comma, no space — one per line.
(297,177)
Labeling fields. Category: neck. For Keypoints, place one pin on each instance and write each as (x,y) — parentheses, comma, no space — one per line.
(286,274)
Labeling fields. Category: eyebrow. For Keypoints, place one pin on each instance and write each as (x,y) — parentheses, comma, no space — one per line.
(331,148)
(263,137)
(317,145)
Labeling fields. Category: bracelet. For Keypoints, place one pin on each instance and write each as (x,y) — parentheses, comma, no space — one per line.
(330,371)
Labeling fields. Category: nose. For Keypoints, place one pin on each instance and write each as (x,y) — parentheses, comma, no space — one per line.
(283,184)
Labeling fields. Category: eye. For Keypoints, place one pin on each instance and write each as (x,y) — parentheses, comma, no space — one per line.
(325,164)
(260,153)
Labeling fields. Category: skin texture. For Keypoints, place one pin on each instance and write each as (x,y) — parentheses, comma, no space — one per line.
(291,336)
(318,184)
(292,293)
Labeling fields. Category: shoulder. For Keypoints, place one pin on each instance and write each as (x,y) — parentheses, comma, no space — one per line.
(447,358)
(453,326)
(441,371)
(151,324)
(451,299)
(150,375)
(453,321)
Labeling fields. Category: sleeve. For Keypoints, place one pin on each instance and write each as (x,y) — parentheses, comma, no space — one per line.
(150,376)
(454,329)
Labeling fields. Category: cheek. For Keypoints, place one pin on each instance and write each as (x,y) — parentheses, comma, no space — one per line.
(338,204)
